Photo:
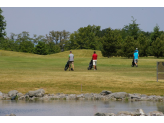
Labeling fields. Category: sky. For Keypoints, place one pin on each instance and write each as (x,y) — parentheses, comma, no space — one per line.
(41,18)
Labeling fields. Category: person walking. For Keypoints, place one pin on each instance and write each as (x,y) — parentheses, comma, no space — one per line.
(135,57)
(137,50)
(94,58)
(71,61)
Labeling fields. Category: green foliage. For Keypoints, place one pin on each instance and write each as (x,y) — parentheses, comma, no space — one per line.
(155,34)
(129,45)
(143,45)
(131,30)
(2,25)
(158,46)
(41,48)
(84,38)
(110,42)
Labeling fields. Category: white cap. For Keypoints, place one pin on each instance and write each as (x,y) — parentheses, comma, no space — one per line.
(136,48)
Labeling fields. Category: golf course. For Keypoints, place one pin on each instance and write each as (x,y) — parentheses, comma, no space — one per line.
(26,71)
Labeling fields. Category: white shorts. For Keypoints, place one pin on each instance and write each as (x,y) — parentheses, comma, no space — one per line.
(94,62)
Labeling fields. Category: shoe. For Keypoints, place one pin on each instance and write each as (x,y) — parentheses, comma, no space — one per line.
(136,65)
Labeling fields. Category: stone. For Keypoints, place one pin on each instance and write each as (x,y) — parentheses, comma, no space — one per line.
(1,95)
(88,96)
(37,93)
(124,113)
(110,114)
(19,94)
(105,92)
(12,93)
(135,96)
(140,111)
(155,113)
(71,97)
(21,98)
(99,114)
(119,95)
(10,115)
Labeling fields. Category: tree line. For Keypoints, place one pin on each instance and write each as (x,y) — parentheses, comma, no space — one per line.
(111,42)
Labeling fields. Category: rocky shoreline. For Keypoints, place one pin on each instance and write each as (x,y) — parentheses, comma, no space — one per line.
(138,112)
(104,95)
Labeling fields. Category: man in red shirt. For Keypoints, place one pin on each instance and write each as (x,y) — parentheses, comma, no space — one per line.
(94,58)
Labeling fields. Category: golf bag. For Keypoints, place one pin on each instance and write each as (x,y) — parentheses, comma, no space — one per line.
(67,65)
(133,63)
(90,65)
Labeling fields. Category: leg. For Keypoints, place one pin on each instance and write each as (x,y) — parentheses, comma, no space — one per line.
(69,66)
(94,64)
(73,65)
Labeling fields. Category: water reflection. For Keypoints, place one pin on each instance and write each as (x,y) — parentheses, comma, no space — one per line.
(74,107)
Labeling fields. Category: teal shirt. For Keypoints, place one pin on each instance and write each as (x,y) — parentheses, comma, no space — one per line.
(136,55)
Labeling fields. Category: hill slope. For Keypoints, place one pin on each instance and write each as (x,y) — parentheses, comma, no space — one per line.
(77,53)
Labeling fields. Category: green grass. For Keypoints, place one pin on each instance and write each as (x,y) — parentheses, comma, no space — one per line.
(24,72)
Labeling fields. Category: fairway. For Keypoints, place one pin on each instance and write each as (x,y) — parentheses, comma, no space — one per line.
(24,72)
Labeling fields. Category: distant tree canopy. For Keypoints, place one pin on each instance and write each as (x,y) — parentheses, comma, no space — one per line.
(111,42)
(2,25)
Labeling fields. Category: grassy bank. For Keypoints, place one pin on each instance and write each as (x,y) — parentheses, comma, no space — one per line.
(25,72)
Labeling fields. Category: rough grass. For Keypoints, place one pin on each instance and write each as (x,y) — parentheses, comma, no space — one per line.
(25,72)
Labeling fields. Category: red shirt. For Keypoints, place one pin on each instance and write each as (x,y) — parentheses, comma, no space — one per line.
(94,56)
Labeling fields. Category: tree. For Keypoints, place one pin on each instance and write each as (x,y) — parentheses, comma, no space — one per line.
(2,25)
(41,48)
(155,34)
(129,46)
(85,38)
(131,30)
(143,45)
(158,46)
(110,42)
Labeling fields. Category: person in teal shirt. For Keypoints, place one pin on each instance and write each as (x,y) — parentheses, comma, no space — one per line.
(135,57)
(136,50)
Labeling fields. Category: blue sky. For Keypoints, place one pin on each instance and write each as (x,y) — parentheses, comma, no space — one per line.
(40,20)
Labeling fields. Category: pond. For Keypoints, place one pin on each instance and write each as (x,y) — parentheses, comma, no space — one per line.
(74,107)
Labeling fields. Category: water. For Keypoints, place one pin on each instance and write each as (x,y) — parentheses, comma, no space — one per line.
(74,107)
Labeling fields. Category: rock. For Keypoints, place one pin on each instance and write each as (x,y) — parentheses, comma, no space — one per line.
(155,113)
(45,97)
(110,114)
(12,93)
(119,95)
(105,92)
(10,115)
(14,97)
(19,94)
(21,98)
(135,96)
(1,95)
(100,114)
(140,112)
(124,113)
(5,96)
(88,96)
(71,97)
(37,93)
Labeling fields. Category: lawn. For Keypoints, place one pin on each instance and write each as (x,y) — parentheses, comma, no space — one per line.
(24,72)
